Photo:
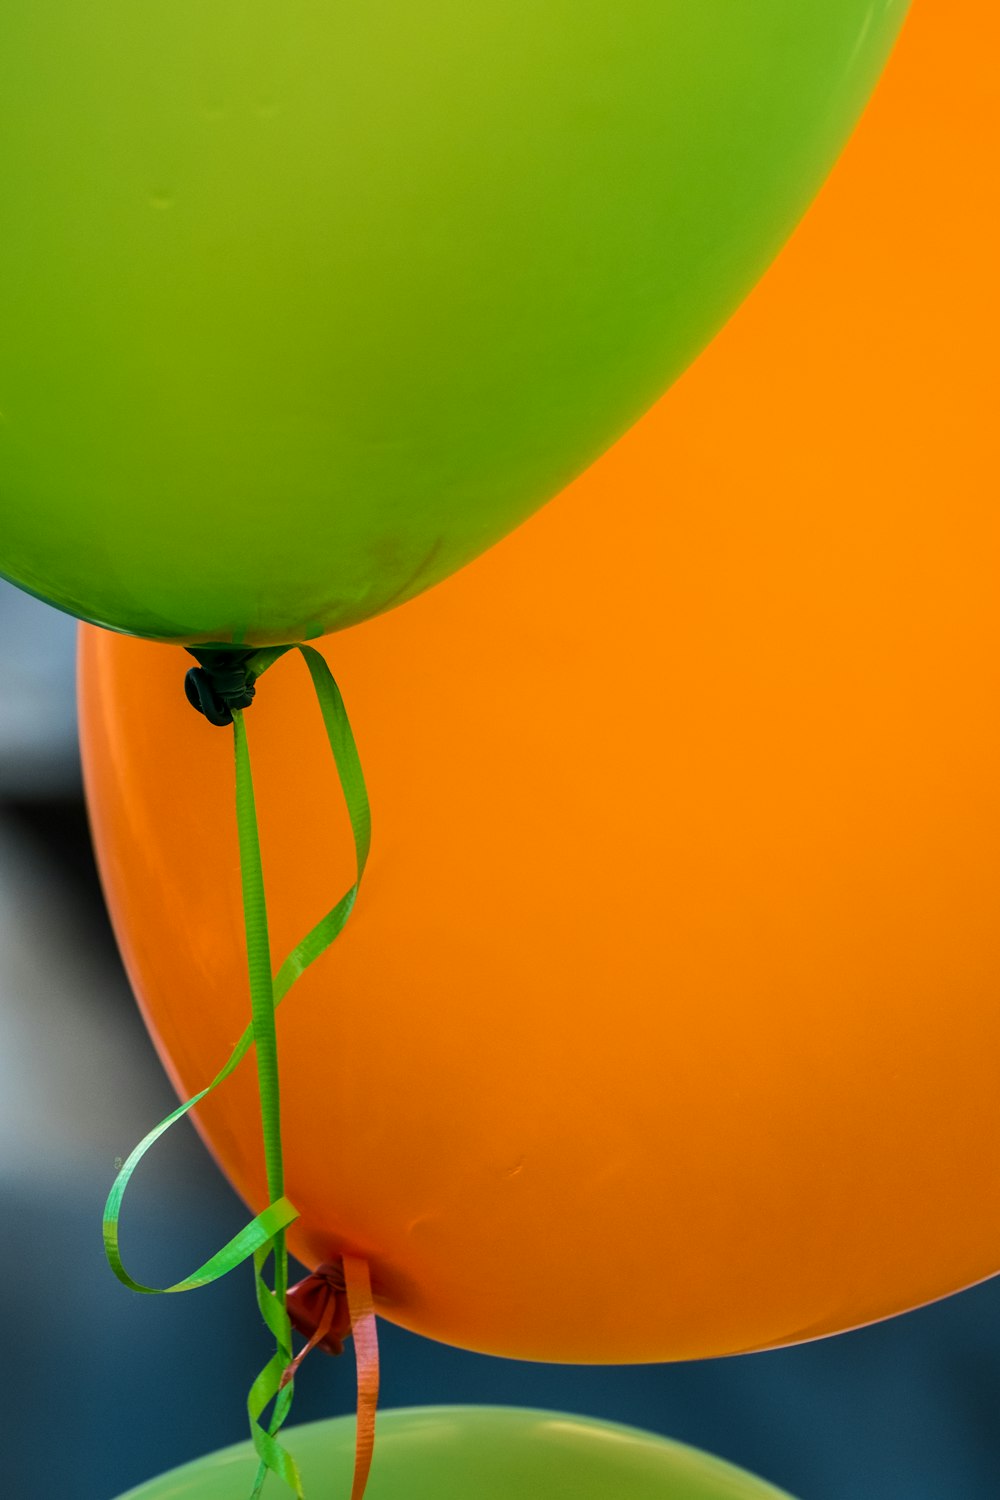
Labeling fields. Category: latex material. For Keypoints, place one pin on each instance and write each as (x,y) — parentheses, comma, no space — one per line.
(304,306)
(480,1453)
(667,1024)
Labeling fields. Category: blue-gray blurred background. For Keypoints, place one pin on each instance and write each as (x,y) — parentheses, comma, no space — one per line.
(104,1388)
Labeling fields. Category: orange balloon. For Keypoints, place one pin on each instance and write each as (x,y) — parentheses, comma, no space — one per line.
(667,1022)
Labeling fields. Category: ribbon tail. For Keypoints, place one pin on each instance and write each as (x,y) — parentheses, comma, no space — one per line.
(323,1328)
(362,1310)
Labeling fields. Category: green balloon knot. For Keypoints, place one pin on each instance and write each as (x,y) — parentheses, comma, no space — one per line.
(223,681)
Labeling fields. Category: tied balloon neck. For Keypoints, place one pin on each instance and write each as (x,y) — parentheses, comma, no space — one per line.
(222,681)
(318,1308)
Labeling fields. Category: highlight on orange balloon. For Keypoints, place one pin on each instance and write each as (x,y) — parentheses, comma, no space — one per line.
(666,1023)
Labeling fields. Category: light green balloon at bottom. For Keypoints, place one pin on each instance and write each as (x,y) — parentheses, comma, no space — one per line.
(478,1453)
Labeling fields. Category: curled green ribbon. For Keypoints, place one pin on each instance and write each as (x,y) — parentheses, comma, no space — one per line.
(264,1237)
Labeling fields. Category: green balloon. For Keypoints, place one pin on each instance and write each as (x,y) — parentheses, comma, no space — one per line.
(304,305)
(478,1453)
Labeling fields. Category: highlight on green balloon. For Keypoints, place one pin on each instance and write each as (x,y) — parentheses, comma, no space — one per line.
(297,324)
(478,1453)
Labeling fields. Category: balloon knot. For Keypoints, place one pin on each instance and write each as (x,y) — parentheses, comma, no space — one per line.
(222,681)
(318,1309)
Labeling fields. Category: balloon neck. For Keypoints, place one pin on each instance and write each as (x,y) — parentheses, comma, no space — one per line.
(222,681)
(318,1309)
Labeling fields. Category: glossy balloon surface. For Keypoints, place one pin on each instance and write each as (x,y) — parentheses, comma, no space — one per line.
(666,1025)
(304,306)
(479,1453)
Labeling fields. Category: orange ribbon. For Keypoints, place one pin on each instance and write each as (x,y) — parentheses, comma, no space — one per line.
(334,1301)
(362,1311)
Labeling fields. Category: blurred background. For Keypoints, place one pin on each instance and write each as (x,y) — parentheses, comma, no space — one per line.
(105,1388)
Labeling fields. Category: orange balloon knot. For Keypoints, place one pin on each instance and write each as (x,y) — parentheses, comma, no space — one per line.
(317,1308)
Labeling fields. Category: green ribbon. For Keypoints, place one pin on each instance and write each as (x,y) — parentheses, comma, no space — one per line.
(264,1237)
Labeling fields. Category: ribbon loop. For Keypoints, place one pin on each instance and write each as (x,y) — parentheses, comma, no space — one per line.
(264,1237)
